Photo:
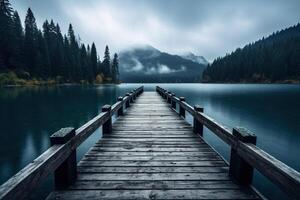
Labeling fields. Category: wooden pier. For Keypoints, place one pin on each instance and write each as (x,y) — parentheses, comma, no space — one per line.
(151,152)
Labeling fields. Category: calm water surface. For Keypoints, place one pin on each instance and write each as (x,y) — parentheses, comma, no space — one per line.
(28,116)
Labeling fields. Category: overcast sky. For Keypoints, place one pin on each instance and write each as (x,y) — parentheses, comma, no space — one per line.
(210,28)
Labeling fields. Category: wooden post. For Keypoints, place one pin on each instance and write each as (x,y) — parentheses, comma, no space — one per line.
(181,109)
(127,104)
(239,169)
(169,97)
(165,94)
(173,103)
(120,111)
(107,126)
(66,173)
(142,90)
(198,127)
(131,97)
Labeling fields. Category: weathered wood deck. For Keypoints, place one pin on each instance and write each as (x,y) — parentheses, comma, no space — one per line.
(152,153)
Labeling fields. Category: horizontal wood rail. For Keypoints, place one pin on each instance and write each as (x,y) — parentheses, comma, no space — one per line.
(244,154)
(60,158)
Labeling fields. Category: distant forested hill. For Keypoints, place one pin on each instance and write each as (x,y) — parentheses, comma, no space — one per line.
(272,59)
(145,64)
(32,55)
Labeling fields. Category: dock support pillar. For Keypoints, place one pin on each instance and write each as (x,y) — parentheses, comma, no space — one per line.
(181,109)
(173,103)
(66,173)
(127,104)
(198,126)
(120,111)
(239,169)
(107,126)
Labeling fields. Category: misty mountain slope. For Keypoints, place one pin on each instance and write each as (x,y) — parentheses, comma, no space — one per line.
(195,58)
(147,64)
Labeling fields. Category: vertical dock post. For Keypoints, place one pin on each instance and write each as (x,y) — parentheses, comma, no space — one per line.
(120,111)
(127,104)
(169,97)
(173,103)
(239,169)
(131,97)
(181,109)
(107,126)
(198,127)
(166,94)
(66,173)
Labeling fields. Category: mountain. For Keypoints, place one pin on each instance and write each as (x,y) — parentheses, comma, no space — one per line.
(272,59)
(147,64)
(195,58)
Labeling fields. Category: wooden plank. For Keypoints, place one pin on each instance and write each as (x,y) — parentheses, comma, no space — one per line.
(154,158)
(128,163)
(152,169)
(150,136)
(124,145)
(152,139)
(154,185)
(133,149)
(154,194)
(151,153)
(151,176)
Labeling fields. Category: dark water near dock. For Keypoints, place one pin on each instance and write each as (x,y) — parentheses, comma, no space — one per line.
(28,116)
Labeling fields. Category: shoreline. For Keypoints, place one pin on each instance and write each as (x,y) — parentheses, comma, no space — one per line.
(78,84)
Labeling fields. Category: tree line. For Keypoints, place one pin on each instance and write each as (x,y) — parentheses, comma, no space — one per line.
(48,54)
(272,59)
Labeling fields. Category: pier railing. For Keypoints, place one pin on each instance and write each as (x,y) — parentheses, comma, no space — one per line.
(245,155)
(60,158)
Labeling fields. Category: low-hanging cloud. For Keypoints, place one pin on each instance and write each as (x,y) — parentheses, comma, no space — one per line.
(137,67)
(210,27)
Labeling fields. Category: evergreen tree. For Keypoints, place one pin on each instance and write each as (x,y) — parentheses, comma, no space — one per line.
(275,58)
(115,69)
(85,68)
(67,67)
(5,33)
(47,54)
(74,54)
(59,56)
(30,43)
(17,58)
(43,60)
(106,63)
(94,60)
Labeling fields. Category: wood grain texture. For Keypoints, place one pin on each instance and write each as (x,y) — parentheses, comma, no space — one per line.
(152,153)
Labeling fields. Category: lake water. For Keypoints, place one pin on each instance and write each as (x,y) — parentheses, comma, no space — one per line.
(28,116)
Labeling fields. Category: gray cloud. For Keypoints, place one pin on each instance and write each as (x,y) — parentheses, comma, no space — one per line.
(208,27)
